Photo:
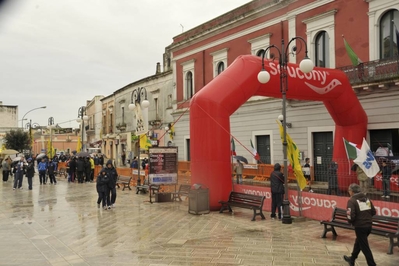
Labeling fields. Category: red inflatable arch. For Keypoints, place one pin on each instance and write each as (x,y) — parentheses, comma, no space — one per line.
(211,107)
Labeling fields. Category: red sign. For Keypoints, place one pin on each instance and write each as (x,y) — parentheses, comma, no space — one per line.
(394,182)
(316,206)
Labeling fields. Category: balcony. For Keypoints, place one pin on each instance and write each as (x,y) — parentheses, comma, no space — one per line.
(121,126)
(373,73)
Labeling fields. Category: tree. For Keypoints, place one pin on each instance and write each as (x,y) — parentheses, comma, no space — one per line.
(17,140)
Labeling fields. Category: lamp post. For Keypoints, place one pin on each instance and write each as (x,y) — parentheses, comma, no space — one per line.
(22,121)
(29,127)
(82,117)
(50,126)
(305,66)
(141,126)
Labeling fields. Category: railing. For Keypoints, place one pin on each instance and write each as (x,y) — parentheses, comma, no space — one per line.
(372,71)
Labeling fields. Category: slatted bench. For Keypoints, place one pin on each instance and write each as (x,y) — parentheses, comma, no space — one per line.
(125,181)
(145,188)
(382,225)
(142,188)
(183,191)
(246,201)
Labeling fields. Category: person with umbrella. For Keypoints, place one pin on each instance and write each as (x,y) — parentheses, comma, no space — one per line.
(238,169)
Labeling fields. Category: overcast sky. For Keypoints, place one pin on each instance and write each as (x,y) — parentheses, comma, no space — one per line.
(60,53)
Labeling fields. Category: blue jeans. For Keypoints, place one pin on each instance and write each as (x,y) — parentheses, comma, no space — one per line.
(385,186)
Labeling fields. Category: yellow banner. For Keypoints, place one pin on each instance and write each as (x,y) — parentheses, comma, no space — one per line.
(79,145)
(293,155)
(145,143)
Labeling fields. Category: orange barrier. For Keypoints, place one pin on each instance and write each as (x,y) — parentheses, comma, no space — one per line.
(259,172)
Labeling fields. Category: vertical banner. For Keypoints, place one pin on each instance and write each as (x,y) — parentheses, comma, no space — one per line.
(163,165)
(141,120)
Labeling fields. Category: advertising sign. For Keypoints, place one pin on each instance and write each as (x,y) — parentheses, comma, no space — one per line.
(162,165)
(316,206)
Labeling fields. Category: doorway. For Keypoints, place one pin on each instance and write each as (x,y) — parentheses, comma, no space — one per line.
(263,148)
(322,154)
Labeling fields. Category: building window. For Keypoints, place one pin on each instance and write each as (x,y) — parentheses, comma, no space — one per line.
(123,114)
(322,50)
(105,124)
(260,52)
(219,61)
(259,44)
(320,30)
(188,79)
(220,67)
(169,100)
(388,38)
(156,103)
(189,85)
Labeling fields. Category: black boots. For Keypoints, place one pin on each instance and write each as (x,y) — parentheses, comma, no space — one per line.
(349,260)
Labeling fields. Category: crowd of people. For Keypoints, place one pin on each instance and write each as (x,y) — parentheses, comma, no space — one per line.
(79,169)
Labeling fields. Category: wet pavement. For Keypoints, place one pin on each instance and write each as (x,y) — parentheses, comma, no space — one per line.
(61,225)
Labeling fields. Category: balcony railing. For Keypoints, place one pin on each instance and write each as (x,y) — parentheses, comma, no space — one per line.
(383,70)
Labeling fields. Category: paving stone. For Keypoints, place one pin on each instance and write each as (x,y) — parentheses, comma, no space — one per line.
(61,225)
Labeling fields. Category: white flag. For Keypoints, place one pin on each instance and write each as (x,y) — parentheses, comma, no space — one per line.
(366,161)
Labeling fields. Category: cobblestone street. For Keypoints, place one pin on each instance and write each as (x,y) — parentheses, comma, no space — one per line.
(61,225)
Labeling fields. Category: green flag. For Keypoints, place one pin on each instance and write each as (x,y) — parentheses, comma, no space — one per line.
(351,150)
(352,55)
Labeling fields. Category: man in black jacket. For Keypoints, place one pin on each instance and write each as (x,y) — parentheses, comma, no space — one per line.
(360,212)
(30,172)
(277,188)
(80,168)
(112,175)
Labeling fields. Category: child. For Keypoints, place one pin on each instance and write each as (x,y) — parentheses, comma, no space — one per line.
(103,189)
(306,173)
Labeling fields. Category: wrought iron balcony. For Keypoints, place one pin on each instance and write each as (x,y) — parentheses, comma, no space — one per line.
(378,71)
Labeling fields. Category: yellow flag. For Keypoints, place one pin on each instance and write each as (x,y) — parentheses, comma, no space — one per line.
(293,156)
(79,146)
(50,150)
(145,143)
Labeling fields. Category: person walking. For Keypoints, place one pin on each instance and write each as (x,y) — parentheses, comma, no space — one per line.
(30,172)
(51,171)
(333,179)
(42,168)
(112,175)
(360,212)
(238,168)
(386,172)
(277,188)
(102,186)
(19,170)
(6,165)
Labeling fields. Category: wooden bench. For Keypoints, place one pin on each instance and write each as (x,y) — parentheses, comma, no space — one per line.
(183,191)
(246,201)
(145,188)
(125,181)
(382,225)
(142,188)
